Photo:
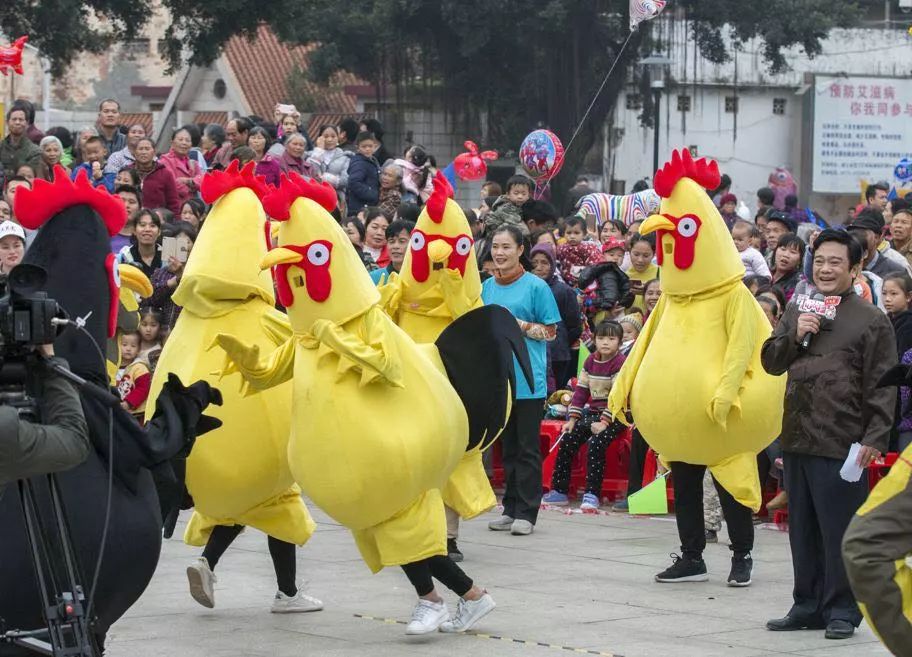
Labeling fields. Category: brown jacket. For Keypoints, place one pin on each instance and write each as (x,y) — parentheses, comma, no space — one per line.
(832,399)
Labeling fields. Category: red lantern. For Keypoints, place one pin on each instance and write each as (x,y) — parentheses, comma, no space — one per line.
(11,56)
(471,165)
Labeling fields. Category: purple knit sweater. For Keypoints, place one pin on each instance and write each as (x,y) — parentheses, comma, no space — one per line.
(594,384)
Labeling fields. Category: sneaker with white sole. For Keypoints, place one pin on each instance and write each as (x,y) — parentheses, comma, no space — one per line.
(202,582)
(468,613)
(555,498)
(521,527)
(591,502)
(299,603)
(427,617)
(502,524)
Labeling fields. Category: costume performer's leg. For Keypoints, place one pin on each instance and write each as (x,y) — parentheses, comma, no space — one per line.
(283,560)
(421,574)
(221,537)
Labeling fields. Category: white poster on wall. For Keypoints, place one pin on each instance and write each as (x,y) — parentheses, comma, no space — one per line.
(862,129)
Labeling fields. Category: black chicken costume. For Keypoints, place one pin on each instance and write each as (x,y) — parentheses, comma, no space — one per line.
(73,246)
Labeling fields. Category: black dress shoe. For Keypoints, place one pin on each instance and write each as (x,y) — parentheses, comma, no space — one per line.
(839,629)
(792,624)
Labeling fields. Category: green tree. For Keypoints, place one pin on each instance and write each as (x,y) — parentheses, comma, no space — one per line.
(520,63)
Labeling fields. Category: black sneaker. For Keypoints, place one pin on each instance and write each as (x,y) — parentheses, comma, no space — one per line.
(453,551)
(740,574)
(711,536)
(683,569)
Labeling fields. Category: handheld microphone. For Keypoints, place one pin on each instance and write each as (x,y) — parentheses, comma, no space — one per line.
(806,340)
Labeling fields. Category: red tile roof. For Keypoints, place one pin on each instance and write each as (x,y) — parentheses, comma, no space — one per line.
(221,118)
(142,118)
(262,67)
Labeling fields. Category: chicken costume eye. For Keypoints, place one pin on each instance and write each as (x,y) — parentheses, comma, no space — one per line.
(687,227)
(418,241)
(318,255)
(463,245)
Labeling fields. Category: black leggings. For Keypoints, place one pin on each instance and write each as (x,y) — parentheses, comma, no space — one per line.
(282,553)
(420,574)
(595,465)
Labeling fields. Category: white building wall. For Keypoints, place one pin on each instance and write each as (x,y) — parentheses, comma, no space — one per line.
(748,145)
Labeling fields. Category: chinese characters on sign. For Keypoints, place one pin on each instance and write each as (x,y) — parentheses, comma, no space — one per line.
(862,128)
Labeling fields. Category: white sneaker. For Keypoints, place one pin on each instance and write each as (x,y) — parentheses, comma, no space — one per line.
(521,527)
(502,524)
(469,612)
(202,582)
(427,617)
(299,603)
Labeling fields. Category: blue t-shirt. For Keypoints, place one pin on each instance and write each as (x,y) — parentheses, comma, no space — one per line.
(529,299)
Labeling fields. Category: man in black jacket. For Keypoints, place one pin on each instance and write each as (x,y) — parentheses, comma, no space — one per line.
(61,442)
(831,402)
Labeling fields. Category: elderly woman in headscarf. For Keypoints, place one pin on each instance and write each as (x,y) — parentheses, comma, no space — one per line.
(390,189)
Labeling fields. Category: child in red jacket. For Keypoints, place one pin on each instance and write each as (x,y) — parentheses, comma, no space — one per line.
(134,379)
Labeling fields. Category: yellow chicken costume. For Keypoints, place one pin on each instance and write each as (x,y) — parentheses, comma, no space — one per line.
(237,474)
(693,381)
(378,427)
(133,282)
(438,283)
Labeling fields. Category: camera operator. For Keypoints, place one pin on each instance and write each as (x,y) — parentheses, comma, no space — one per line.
(61,442)
(831,402)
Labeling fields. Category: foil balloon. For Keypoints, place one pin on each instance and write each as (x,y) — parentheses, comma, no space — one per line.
(11,56)
(471,165)
(644,10)
(541,155)
(783,184)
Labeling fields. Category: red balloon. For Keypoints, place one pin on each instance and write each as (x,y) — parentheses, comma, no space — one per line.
(471,165)
(11,56)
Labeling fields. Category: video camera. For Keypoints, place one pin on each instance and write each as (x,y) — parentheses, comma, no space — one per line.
(26,313)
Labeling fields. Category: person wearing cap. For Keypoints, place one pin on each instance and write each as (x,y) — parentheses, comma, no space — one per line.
(12,246)
(727,208)
(778,223)
(880,258)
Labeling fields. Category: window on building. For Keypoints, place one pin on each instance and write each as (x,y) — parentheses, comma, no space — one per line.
(683,103)
(135,47)
(634,102)
(731,104)
(779,106)
(156,107)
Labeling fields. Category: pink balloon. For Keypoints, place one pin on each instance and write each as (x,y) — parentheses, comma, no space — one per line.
(471,165)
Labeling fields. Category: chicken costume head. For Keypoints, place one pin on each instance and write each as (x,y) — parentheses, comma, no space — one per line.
(693,381)
(72,239)
(318,273)
(693,246)
(442,241)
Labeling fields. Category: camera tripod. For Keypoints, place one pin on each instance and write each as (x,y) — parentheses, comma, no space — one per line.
(63,601)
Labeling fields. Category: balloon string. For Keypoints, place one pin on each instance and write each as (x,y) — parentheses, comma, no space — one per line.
(589,109)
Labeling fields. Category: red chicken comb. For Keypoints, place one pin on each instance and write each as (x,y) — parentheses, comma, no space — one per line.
(45,199)
(704,172)
(436,204)
(278,201)
(218,183)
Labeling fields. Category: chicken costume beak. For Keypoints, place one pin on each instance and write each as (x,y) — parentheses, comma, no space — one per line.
(439,251)
(655,222)
(280,256)
(134,280)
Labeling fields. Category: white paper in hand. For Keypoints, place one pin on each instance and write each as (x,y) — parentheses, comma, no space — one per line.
(850,470)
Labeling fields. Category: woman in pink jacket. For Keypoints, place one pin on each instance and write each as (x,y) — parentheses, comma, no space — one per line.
(186,171)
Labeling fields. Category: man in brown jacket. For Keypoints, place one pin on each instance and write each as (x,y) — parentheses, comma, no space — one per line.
(831,402)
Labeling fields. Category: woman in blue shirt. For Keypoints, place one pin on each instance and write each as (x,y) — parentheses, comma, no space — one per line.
(530,300)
